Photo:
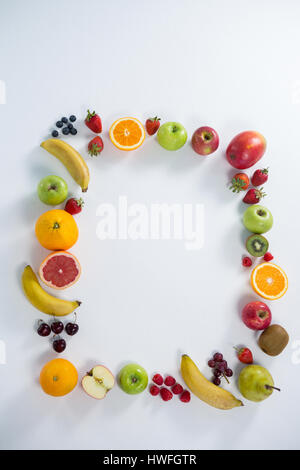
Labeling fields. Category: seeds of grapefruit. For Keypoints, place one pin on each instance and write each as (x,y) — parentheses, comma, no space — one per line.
(269,281)
(127,133)
(60,270)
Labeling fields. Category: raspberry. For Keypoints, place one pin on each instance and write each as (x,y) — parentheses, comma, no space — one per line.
(170,381)
(166,394)
(157,379)
(177,389)
(185,397)
(268,256)
(247,262)
(154,390)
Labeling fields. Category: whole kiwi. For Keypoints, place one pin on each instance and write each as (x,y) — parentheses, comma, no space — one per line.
(273,340)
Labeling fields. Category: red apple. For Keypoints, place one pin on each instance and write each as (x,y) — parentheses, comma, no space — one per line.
(205,140)
(257,315)
(246,149)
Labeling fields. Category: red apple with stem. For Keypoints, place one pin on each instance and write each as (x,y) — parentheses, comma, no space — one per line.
(205,140)
(246,149)
(256,315)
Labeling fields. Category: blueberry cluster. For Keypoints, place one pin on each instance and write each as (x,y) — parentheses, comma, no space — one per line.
(68,129)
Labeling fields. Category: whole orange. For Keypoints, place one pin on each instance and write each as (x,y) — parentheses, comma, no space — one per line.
(56,230)
(58,377)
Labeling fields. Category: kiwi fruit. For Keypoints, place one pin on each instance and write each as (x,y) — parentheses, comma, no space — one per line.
(273,340)
(257,245)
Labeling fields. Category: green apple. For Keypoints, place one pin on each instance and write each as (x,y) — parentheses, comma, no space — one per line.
(258,219)
(133,379)
(172,135)
(52,190)
(256,383)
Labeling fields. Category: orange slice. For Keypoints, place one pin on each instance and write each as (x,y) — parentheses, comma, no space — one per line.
(269,281)
(127,133)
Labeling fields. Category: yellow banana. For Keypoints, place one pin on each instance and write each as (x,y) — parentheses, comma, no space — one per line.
(204,389)
(72,160)
(43,301)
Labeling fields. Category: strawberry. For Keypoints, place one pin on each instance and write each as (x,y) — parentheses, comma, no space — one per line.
(93,122)
(259,177)
(253,196)
(239,182)
(74,206)
(95,146)
(244,355)
(152,125)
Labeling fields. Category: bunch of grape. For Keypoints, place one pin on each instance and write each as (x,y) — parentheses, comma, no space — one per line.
(220,367)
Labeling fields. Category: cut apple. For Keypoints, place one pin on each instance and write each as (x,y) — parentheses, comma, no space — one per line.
(98,382)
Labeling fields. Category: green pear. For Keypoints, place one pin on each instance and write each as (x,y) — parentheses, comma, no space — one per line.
(256,383)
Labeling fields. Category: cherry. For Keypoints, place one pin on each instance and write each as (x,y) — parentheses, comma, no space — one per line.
(43,329)
(71,328)
(59,345)
(57,327)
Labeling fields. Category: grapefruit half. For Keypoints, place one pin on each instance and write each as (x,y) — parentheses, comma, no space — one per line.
(60,270)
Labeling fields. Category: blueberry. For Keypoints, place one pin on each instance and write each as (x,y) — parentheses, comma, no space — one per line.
(65,130)
(59,124)
(64,120)
(73,131)
(70,126)
(72,118)
(54,133)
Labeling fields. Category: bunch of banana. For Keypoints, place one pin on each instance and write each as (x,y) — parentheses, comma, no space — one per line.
(72,160)
(43,301)
(204,389)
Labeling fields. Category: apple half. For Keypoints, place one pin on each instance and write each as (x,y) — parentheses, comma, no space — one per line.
(98,382)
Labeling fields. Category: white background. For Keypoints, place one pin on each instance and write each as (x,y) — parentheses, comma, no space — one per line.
(233,65)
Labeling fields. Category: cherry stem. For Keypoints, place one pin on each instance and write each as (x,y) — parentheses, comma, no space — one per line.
(268,387)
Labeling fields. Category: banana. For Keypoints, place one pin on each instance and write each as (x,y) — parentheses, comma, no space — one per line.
(72,160)
(43,301)
(205,390)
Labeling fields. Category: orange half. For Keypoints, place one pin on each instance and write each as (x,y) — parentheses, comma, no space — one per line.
(269,281)
(127,133)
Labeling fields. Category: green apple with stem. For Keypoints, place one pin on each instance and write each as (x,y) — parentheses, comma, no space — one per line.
(52,190)
(133,379)
(172,135)
(256,383)
(258,219)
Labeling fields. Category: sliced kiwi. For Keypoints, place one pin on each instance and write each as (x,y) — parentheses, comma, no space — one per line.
(257,245)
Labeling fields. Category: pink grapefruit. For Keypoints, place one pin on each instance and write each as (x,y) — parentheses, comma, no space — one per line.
(60,270)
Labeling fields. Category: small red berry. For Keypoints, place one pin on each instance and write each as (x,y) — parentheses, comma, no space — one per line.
(170,381)
(247,262)
(154,390)
(74,206)
(268,256)
(185,397)
(177,389)
(152,125)
(157,379)
(166,394)
(245,355)
(259,177)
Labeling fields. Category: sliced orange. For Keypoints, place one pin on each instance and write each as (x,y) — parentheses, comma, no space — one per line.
(127,133)
(269,281)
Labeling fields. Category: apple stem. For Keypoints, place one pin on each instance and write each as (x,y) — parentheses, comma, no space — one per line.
(268,387)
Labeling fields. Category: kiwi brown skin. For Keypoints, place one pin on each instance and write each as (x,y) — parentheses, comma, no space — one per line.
(273,340)
(259,240)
